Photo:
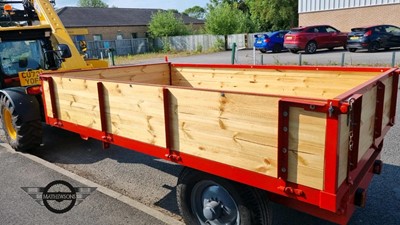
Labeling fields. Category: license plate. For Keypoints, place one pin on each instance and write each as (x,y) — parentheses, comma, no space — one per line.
(259,42)
(29,77)
(289,38)
(353,38)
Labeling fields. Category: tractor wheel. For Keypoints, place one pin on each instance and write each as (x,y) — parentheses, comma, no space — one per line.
(207,199)
(20,135)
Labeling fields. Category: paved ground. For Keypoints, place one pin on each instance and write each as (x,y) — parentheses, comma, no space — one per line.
(322,57)
(152,181)
(17,207)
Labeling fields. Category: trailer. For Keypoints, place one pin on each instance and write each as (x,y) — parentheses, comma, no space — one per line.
(306,137)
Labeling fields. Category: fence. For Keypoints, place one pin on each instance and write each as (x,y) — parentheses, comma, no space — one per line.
(189,42)
(98,49)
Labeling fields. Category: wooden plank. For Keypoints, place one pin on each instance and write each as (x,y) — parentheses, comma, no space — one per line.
(367,122)
(343,149)
(133,111)
(292,83)
(388,101)
(136,112)
(152,74)
(234,129)
(307,132)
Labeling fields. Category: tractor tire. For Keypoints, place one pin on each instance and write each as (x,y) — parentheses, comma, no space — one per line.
(20,135)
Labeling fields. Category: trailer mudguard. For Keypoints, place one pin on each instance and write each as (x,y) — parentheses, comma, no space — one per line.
(26,106)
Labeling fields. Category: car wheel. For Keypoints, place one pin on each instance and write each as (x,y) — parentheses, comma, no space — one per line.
(311,47)
(277,48)
(373,46)
(352,49)
(263,51)
(330,49)
(293,50)
(387,49)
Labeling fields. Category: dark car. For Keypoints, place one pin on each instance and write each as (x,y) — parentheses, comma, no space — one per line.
(271,41)
(373,38)
(311,38)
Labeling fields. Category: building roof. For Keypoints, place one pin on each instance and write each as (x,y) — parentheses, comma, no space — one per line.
(110,17)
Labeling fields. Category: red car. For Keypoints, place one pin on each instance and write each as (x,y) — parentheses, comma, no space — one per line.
(312,38)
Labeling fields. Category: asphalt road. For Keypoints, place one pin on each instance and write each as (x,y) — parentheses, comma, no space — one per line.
(18,208)
(322,57)
(152,181)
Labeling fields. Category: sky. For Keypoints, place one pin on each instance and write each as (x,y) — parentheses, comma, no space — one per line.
(180,5)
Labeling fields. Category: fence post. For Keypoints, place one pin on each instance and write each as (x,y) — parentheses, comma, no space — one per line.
(342,63)
(300,59)
(233,52)
(393,59)
(254,56)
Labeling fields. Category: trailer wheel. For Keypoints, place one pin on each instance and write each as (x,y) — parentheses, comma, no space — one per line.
(205,199)
(20,135)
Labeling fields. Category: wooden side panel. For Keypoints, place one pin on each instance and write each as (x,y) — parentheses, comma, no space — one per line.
(133,111)
(77,101)
(136,112)
(235,129)
(367,121)
(306,147)
(315,84)
(149,74)
(388,101)
(343,149)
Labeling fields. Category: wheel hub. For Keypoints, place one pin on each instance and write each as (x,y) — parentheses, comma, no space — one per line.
(212,210)
(213,204)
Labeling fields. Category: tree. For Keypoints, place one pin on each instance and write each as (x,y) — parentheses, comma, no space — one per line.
(92,3)
(225,19)
(239,4)
(167,23)
(273,14)
(196,12)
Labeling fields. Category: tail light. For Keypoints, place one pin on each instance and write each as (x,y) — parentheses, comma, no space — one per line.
(368,33)
(34,90)
(266,40)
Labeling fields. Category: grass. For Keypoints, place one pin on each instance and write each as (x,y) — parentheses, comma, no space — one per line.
(120,60)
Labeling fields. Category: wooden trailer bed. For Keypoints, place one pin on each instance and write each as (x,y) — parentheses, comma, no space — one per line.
(286,128)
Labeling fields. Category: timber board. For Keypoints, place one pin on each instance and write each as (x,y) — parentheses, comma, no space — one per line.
(307,133)
(292,83)
(367,122)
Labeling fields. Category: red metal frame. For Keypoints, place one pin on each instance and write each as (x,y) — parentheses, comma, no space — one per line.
(333,203)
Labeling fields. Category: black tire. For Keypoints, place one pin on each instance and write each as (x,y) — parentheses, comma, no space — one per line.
(373,46)
(20,135)
(293,51)
(251,204)
(352,49)
(277,48)
(263,50)
(311,47)
(330,49)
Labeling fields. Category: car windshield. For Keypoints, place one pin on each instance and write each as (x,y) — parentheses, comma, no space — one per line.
(18,56)
(296,30)
(358,29)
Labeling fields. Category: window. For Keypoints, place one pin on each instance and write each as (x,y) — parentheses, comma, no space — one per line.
(331,30)
(97,37)
(134,35)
